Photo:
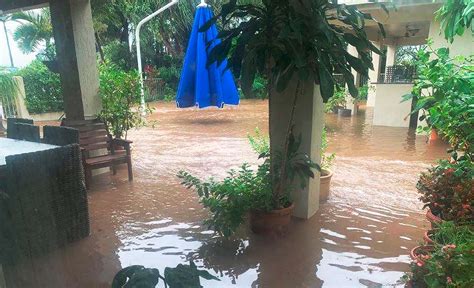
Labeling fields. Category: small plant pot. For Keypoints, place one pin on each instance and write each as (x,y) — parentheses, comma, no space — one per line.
(273,222)
(434,135)
(343,112)
(427,237)
(420,254)
(434,220)
(325,185)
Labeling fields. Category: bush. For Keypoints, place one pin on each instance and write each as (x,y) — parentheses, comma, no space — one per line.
(120,94)
(42,87)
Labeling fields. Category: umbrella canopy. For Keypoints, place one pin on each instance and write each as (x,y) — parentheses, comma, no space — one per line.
(202,85)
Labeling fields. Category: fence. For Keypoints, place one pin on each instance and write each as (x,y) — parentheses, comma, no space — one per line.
(154,89)
(398,74)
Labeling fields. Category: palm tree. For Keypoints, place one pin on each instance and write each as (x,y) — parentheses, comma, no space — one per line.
(4,19)
(34,32)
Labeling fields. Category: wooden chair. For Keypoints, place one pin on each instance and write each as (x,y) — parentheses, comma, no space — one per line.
(60,136)
(98,147)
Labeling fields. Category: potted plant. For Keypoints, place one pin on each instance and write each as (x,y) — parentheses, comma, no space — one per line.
(326,172)
(337,100)
(250,190)
(291,41)
(120,94)
(449,197)
(448,261)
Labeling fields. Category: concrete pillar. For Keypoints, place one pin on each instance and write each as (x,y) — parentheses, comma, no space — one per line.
(391,50)
(21,110)
(309,122)
(77,60)
(350,101)
(373,76)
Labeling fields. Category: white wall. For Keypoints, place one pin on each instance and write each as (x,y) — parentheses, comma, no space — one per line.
(388,109)
(463,45)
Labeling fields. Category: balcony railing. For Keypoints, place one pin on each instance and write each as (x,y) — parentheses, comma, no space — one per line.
(397,74)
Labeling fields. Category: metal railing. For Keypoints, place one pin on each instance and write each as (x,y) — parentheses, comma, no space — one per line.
(397,74)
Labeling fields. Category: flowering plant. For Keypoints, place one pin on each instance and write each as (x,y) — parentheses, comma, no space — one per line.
(449,196)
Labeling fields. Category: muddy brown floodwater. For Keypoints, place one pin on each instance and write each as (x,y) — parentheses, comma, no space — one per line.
(360,238)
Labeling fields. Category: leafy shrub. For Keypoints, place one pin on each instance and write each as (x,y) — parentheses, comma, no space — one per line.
(42,87)
(120,94)
(450,263)
(338,99)
(246,189)
(119,53)
(259,143)
(326,159)
(449,196)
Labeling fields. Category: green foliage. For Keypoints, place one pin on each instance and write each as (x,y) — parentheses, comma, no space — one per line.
(448,232)
(456,16)
(182,276)
(443,92)
(338,99)
(448,195)
(246,189)
(326,159)
(8,88)
(34,32)
(120,94)
(407,55)
(281,39)
(363,92)
(42,87)
(118,53)
(260,144)
(450,262)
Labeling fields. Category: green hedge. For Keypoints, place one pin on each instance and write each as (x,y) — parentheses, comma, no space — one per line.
(42,87)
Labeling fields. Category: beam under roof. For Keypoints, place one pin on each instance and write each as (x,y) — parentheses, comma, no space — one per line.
(9,6)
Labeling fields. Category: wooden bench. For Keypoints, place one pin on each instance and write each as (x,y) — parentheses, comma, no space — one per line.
(99,148)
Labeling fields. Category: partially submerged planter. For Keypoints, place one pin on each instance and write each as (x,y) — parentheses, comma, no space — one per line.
(434,220)
(420,254)
(428,237)
(343,112)
(273,222)
(325,185)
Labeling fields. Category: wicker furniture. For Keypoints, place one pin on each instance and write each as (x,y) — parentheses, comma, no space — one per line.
(12,131)
(60,136)
(99,148)
(44,205)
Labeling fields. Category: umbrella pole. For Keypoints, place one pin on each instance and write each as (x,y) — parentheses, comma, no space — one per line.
(139,53)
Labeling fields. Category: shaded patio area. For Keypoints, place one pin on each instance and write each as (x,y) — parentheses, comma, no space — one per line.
(360,237)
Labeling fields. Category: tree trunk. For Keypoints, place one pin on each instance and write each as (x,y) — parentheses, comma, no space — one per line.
(99,47)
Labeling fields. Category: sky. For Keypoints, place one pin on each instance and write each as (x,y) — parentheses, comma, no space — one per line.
(19,59)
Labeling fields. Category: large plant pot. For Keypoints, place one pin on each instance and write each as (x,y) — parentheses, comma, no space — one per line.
(325,185)
(434,220)
(343,112)
(420,254)
(273,222)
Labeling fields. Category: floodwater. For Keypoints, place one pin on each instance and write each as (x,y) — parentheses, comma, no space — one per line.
(360,238)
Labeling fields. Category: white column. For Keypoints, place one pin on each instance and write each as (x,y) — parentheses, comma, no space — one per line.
(391,50)
(373,76)
(309,122)
(350,103)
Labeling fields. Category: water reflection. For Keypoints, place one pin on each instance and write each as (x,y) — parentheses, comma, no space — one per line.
(359,238)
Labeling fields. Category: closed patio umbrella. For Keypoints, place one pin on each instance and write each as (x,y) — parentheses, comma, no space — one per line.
(202,85)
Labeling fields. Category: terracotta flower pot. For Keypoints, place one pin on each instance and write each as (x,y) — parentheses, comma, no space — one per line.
(427,237)
(325,181)
(420,254)
(342,112)
(434,135)
(273,222)
(434,220)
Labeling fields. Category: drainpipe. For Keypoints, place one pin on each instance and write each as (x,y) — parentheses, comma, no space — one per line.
(139,53)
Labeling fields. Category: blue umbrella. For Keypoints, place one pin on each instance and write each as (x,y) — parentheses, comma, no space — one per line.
(201,85)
